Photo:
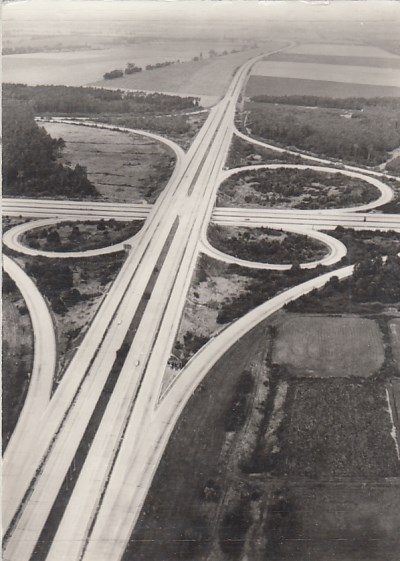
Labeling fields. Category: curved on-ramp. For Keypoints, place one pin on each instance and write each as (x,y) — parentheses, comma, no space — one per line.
(12,240)
(309,157)
(179,153)
(336,250)
(386,193)
(44,357)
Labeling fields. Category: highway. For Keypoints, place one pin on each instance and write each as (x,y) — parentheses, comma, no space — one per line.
(313,219)
(138,419)
(74,210)
(12,240)
(386,193)
(175,234)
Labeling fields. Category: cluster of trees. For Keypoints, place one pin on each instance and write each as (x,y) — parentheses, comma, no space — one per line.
(176,125)
(254,245)
(364,244)
(262,286)
(75,236)
(113,74)
(356,103)
(233,529)
(56,281)
(373,281)
(67,100)
(376,280)
(242,153)
(131,68)
(161,64)
(235,414)
(191,344)
(30,166)
(317,189)
(365,138)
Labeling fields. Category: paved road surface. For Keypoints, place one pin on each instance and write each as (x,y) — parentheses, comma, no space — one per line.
(44,362)
(336,250)
(137,423)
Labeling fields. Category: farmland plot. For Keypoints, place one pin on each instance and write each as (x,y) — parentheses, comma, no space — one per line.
(323,346)
(340,521)
(336,428)
(327,49)
(330,73)
(269,85)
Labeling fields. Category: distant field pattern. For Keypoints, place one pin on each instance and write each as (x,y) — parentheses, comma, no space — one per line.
(77,68)
(329,73)
(269,85)
(341,50)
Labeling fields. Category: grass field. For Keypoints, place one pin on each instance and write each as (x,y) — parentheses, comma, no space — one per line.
(329,346)
(339,521)
(123,168)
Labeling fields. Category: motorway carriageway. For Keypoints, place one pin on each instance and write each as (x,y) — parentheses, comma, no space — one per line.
(83,210)
(97,525)
(189,197)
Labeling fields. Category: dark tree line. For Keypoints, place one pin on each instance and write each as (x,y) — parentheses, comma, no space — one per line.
(330,102)
(364,137)
(68,100)
(30,155)
(373,281)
